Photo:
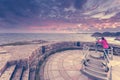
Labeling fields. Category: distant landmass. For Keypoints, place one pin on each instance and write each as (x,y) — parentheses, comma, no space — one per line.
(106,34)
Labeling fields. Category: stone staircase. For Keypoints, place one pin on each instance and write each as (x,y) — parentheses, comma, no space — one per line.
(94,67)
(17,71)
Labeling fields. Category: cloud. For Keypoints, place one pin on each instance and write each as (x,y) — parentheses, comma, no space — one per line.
(71,15)
(102,9)
(102,15)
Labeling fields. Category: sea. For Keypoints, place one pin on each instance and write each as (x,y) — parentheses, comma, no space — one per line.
(18,37)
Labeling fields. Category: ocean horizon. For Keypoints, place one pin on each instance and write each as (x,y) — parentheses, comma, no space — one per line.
(19,37)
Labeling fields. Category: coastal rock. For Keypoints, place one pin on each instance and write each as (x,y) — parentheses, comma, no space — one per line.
(97,34)
(106,34)
(117,38)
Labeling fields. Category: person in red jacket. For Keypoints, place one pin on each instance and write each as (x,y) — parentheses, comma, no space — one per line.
(105,45)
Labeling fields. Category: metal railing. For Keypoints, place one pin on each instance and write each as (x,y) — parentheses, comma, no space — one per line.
(85,55)
(111,53)
(108,58)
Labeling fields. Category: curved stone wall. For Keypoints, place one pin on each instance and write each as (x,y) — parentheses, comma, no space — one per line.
(39,55)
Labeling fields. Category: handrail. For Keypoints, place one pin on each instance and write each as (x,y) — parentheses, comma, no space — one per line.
(111,52)
(110,75)
(85,54)
(106,57)
(108,63)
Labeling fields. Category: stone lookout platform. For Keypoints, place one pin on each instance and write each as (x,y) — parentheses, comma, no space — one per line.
(64,61)
(64,65)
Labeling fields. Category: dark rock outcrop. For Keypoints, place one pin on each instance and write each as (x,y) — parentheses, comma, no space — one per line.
(106,34)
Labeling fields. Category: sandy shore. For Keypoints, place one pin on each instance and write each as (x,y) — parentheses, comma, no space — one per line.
(20,52)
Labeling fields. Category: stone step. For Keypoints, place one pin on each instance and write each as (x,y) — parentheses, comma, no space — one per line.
(25,75)
(23,70)
(95,59)
(3,68)
(97,72)
(96,67)
(16,73)
(95,63)
(92,74)
(7,74)
(95,56)
(32,74)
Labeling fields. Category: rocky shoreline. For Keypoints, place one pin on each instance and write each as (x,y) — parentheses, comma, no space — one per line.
(24,43)
(117,38)
(107,34)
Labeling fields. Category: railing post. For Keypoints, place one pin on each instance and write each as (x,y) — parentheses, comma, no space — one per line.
(28,68)
(43,49)
(96,47)
(111,53)
(111,73)
(78,44)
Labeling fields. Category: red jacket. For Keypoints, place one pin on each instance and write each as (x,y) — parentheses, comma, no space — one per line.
(104,43)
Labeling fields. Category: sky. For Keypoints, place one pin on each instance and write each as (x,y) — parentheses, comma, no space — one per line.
(59,16)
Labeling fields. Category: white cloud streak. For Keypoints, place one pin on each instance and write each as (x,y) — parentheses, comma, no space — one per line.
(102,9)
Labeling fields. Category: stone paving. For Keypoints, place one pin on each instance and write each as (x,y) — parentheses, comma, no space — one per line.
(66,65)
